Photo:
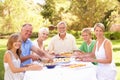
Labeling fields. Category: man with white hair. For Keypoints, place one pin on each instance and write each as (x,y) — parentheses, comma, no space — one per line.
(62,42)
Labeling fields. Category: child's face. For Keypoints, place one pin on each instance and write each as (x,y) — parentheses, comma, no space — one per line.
(17,44)
(86,37)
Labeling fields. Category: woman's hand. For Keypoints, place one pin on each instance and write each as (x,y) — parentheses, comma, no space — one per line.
(87,59)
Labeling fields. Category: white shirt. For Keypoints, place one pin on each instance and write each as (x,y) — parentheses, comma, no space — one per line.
(58,45)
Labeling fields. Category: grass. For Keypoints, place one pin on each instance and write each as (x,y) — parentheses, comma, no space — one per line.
(116,55)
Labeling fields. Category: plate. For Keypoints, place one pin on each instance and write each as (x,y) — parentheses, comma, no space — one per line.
(66,54)
(61,60)
(74,65)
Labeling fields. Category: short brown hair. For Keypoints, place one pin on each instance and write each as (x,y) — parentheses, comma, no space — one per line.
(87,30)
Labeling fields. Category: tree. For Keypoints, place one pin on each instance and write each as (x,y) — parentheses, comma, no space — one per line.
(17,12)
(48,10)
(91,11)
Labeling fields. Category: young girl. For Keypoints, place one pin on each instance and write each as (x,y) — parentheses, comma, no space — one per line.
(12,62)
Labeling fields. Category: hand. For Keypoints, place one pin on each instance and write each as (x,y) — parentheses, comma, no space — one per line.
(77,53)
(34,57)
(46,60)
(88,59)
(52,53)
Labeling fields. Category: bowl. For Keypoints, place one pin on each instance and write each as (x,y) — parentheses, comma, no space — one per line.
(50,66)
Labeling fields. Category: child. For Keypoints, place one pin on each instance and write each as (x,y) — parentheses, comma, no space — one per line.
(12,62)
(102,54)
(88,44)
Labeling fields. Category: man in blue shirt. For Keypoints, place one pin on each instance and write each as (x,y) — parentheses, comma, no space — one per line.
(27,47)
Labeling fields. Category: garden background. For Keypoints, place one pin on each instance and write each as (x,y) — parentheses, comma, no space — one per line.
(78,14)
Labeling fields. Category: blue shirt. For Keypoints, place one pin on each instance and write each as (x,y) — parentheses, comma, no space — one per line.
(26,50)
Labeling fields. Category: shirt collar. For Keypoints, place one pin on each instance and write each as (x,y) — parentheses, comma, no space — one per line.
(64,38)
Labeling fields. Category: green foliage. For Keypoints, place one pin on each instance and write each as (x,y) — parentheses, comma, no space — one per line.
(77,13)
(17,12)
(48,10)
(91,11)
(34,35)
(113,35)
(75,33)
(52,33)
(2,51)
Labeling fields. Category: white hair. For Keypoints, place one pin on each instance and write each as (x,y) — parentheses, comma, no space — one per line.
(62,22)
(41,30)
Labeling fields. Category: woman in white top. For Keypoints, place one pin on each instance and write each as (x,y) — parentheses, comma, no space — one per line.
(39,42)
(42,36)
(102,54)
(12,62)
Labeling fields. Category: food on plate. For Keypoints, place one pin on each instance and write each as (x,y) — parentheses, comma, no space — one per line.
(62,59)
(78,59)
(74,65)
(81,52)
(66,54)
(77,65)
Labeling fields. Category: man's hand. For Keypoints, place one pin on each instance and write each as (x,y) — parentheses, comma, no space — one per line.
(34,57)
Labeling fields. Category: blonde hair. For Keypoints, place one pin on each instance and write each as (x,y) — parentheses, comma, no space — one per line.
(13,38)
(100,25)
(87,30)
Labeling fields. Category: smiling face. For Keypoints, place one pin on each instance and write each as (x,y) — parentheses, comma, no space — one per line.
(43,34)
(17,44)
(61,29)
(26,31)
(14,42)
(86,37)
(98,32)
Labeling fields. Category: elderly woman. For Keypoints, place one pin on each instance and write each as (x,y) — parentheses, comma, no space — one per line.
(39,42)
(42,36)
(102,54)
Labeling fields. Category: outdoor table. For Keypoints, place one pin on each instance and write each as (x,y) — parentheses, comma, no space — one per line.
(64,73)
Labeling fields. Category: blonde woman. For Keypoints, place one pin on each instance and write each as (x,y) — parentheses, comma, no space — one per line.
(102,54)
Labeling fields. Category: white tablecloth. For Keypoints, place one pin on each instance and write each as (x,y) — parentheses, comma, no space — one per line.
(63,73)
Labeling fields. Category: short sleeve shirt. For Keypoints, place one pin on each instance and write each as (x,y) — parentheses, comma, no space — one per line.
(26,50)
(87,48)
(59,45)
